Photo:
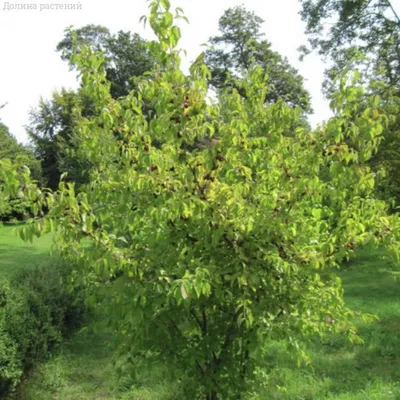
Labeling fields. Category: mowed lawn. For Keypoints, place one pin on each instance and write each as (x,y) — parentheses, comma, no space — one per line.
(16,254)
(82,368)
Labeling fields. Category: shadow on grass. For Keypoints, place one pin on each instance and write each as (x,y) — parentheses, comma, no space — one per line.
(341,370)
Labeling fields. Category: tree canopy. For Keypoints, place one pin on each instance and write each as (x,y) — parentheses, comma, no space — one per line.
(126,54)
(240,43)
(342,29)
(363,35)
(11,149)
(53,124)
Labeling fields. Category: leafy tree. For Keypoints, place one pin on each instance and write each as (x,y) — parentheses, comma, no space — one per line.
(341,29)
(53,124)
(205,255)
(364,35)
(239,44)
(52,131)
(10,149)
(126,54)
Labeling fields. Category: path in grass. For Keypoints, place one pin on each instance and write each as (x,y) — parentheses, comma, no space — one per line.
(16,254)
(340,371)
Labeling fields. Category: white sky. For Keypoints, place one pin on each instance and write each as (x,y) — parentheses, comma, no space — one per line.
(30,68)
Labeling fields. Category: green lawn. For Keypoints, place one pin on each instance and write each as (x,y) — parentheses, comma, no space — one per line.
(15,253)
(82,368)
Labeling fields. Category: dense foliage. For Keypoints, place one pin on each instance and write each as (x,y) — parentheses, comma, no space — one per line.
(205,253)
(52,130)
(36,312)
(16,208)
(364,35)
(53,124)
(239,44)
(126,54)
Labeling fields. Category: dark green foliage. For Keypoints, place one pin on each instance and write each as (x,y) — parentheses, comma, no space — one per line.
(54,123)
(126,54)
(36,312)
(15,208)
(239,44)
(51,129)
(340,29)
(10,148)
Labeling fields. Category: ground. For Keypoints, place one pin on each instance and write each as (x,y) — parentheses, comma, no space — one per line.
(82,367)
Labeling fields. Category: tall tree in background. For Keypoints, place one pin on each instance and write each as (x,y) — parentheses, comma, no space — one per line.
(364,35)
(126,54)
(51,129)
(239,43)
(15,207)
(53,123)
(10,148)
(341,29)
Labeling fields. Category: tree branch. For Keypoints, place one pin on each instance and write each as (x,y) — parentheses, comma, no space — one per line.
(394,11)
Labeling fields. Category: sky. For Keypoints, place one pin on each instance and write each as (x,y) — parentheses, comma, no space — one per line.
(30,68)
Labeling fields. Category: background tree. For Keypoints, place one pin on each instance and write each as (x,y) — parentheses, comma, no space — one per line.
(126,54)
(14,207)
(53,124)
(241,42)
(364,35)
(341,29)
(11,149)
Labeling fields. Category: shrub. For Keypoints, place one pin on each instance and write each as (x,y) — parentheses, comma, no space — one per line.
(36,312)
(14,209)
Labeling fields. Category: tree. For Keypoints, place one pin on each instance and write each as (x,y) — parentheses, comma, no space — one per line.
(11,149)
(239,44)
(341,29)
(52,131)
(126,54)
(204,255)
(364,35)
(15,207)
(53,124)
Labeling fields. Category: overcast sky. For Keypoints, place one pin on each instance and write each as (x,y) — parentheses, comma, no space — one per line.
(30,68)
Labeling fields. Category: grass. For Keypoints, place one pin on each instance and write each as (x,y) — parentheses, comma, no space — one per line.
(340,370)
(83,370)
(16,254)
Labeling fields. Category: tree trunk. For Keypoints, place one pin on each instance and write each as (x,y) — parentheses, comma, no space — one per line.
(212,396)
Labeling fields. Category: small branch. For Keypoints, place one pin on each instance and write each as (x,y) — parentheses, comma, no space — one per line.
(203,313)
(198,322)
(200,368)
(394,11)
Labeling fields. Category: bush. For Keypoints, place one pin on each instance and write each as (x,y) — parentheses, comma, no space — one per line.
(36,312)
(14,209)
